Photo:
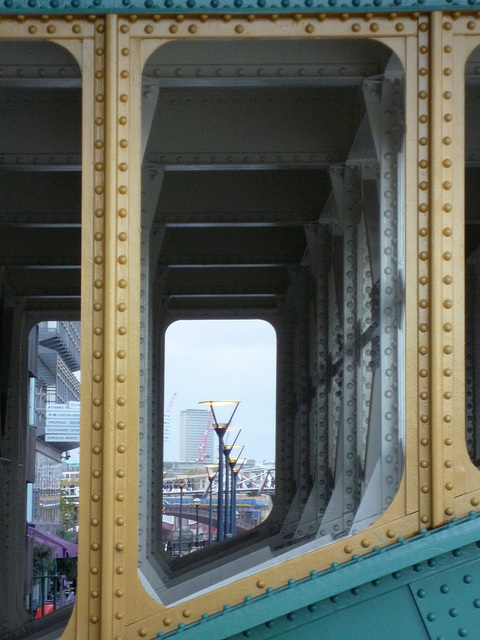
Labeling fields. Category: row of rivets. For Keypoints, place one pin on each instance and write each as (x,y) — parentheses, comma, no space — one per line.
(97,323)
(423,274)
(447,248)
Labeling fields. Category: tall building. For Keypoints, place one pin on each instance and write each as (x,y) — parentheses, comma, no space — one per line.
(196,436)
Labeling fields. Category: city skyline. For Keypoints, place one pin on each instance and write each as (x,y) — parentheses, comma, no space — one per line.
(224,360)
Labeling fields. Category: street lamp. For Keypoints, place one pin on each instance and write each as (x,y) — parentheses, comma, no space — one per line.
(181,485)
(235,463)
(227,449)
(197,502)
(220,429)
(212,472)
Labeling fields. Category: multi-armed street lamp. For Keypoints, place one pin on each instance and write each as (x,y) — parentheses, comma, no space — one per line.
(227,449)
(212,472)
(220,429)
(181,485)
(235,464)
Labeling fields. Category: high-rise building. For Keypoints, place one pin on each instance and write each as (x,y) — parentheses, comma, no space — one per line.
(196,436)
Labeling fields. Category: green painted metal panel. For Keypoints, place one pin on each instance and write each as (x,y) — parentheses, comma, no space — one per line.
(372,585)
(226,6)
(450,602)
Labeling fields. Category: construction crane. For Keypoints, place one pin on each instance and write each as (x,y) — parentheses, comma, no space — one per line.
(202,447)
(170,404)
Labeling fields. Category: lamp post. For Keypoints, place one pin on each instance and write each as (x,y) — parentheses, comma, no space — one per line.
(212,472)
(220,429)
(197,502)
(181,485)
(235,463)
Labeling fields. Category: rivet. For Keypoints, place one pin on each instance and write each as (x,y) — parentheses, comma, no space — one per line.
(448,117)
(447,232)
(474,502)
(447,255)
(98,236)
(447,26)
(423,26)
(97,306)
(423,255)
(94,619)
(365,543)
(449,486)
(447,140)
(447,327)
(449,511)
(120,521)
(98,259)
(447,418)
(447,95)
(121,354)
(447,163)
(448,463)
(122,259)
(95,546)
(121,425)
(121,448)
(348,549)
(422,95)
(424,519)
(95,497)
(120,473)
(96,473)
(448,279)
(186,613)
(447,71)
(119,593)
(423,304)
(121,306)
(123,143)
(192,28)
(399,26)
(309,28)
(32,29)
(125,52)
(423,141)
(423,327)
(423,232)
(423,350)
(167,621)
(424,464)
(239,28)
(423,119)
(423,280)
(423,373)
(121,401)
(374,26)
(260,584)
(424,395)
(142,632)
(424,442)
(99,213)
(471,25)
(447,372)
(119,615)
(390,533)
(122,283)
(119,570)
(121,377)
(173,28)
(124,28)
(448,442)
(123,97)
(425,489)
(122,236)
(423,208)
(97,425)
(124,74)
(94,593)
(447,395)
(123,166)
(122,213)
(355,27)
(122,189)
(97,449)
(149,29)
(119,546)
(447,207)
(423,186)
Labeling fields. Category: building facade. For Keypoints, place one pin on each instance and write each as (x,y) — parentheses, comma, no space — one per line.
(309,164)
(196,436)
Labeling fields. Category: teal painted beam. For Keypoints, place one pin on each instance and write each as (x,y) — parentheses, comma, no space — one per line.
(50,7)
(340,578)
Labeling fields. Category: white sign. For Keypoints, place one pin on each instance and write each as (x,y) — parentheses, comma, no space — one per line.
(63,422)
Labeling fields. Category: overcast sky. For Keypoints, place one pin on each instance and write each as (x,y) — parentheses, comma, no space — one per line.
(225,360)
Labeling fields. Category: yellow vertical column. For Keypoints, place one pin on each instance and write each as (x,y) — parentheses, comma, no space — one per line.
(442,282)
(120,430)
